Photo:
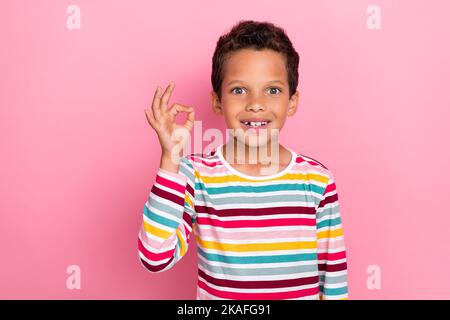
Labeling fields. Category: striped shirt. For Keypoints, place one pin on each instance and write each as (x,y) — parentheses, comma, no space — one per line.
(258,237)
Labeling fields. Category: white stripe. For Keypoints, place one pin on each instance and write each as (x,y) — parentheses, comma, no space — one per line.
(332,262)
(334,239)
(312,297)
(334,273)
(342,284)
(339,249)
(177,179)
(203,292)
(160,250)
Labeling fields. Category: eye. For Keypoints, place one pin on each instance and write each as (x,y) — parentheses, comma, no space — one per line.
(276,89)
(232,90)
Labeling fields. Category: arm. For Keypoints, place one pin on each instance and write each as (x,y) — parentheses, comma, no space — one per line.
(167,219)
(331,246)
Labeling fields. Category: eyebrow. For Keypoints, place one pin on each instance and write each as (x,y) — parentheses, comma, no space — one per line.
(272,81)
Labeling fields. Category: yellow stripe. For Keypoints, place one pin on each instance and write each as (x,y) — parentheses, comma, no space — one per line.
(189,201)
(288,176)
(329,233)
(181,241)
(156,231)
(258,246)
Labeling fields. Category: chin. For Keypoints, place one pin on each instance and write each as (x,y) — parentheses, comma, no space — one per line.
(252,139)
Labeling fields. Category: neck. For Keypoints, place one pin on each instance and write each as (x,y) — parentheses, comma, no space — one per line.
(238,152)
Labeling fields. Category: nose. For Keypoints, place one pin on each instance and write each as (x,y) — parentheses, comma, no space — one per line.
(255,105)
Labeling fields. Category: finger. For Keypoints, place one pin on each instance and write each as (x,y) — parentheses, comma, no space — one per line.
(150,118)
(166,95)
(176,108)
(156,102)
(190,120)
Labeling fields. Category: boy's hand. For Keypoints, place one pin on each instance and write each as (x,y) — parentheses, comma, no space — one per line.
(172,136)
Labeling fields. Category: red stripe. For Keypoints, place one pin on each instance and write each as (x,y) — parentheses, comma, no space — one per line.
(170,184)
(167,195)
(256,223)
(259,296)
(330,199)
(331,256)
(332,267)
(156,268)
(208,164)
(256,211)
(259,284)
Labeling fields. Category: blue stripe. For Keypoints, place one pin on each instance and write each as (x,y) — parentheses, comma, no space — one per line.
(161,220)
(317,189)
(335,291)
(329,223)
(258,259)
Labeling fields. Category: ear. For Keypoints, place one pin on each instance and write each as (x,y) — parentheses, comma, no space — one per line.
(293,104)
(215,103)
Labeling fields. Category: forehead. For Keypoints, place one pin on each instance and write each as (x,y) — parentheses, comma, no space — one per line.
(251,64)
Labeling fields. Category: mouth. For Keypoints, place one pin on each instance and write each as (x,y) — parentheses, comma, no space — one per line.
(262,124)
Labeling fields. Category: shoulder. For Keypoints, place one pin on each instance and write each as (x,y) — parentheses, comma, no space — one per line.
(316,167)
(309,161)
(201,159)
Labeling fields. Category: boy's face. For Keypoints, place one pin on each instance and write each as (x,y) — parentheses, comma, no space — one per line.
(255,89)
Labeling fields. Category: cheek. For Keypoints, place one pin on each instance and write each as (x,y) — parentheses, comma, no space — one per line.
(230,109)
(280,115)
(230,115)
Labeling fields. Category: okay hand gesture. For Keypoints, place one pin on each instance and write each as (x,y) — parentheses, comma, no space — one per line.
(170,134)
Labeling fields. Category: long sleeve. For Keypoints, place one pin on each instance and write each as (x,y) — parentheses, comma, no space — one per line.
(331,246)
(168,218)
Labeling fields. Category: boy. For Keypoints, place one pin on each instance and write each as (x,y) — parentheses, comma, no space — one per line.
(260,235)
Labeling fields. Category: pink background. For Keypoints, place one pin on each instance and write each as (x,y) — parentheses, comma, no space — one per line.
(78,158)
